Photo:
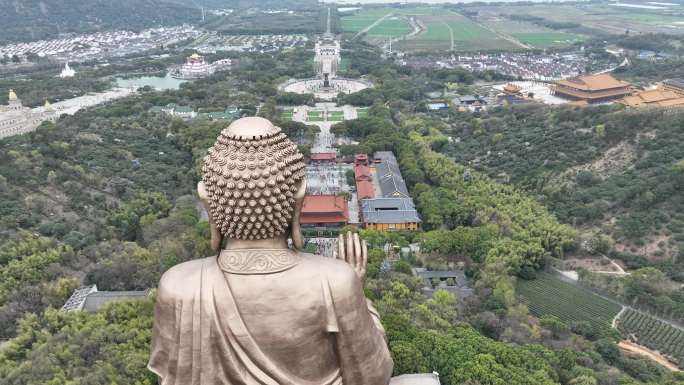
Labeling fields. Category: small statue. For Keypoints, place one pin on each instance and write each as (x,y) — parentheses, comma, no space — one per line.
(260,312)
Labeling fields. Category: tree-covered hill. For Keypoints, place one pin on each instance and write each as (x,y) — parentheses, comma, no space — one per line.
(618,170)
(28,20)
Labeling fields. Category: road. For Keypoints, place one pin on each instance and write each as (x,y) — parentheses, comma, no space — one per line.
(631,347)
(417,26)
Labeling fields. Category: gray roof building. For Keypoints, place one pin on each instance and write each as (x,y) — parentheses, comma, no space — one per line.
(675,83)
(389,210)
(416,379)
(89,299)
(389,176)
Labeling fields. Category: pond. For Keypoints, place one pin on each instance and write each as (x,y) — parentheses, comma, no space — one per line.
(159,83)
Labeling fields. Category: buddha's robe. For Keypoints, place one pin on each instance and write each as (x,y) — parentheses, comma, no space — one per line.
(306,325)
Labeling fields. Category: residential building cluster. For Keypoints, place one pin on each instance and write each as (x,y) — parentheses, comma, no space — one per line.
(213,42)
(100,45)
(526,66)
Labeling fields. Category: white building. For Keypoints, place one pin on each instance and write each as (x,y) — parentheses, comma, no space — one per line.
(67,72)
(327,59)
(195,67)
(15,119)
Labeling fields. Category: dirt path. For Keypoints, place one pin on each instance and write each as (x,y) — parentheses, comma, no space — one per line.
(631,347)
(417,28)
(617,316)
(451,33)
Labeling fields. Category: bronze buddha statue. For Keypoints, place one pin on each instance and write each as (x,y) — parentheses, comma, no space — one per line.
(261,312)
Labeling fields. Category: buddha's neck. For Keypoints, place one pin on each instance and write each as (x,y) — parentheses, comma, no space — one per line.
(273,243)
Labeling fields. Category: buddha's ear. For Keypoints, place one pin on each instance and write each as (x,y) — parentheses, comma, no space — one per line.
(216,237)
(295,226)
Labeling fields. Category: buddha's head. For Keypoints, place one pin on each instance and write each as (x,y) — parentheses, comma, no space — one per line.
(253,183)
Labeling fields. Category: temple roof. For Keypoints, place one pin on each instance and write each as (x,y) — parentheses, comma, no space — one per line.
(594,82)
(654,97)
(324,209)
(389,210)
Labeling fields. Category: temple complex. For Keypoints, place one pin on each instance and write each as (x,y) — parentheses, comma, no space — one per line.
(15,119)
(327,63)
(592,88)
(383,198)
(659,97)
(674,85)
(196,67)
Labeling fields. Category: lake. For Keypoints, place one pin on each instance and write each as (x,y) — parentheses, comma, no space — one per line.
(159,83)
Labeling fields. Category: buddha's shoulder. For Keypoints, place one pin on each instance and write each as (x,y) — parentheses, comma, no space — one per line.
(340,275)
(180,278)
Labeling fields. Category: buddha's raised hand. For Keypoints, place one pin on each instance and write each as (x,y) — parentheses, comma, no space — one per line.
(354,251)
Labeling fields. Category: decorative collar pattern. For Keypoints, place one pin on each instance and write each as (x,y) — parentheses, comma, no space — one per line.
(257,261)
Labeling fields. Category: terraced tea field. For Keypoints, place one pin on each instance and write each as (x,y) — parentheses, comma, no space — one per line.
(654,334)
(549,295)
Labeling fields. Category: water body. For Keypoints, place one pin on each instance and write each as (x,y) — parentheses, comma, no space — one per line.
(159,83)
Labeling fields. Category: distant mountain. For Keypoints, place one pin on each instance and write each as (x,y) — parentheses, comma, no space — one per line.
(25,20)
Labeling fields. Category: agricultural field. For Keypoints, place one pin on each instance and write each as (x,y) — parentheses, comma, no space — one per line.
(362,112)
(363,19)
(441,29)
(549,295)
(597,19)
(654,334)
(392,26)
(548,39)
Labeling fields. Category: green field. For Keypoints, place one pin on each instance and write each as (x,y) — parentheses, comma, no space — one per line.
(335,116)
(286,115)
(443,29)
(549,295)
(391,27)
(362,112)
(653,333)
(548,39)
(314,116)
(362,19)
